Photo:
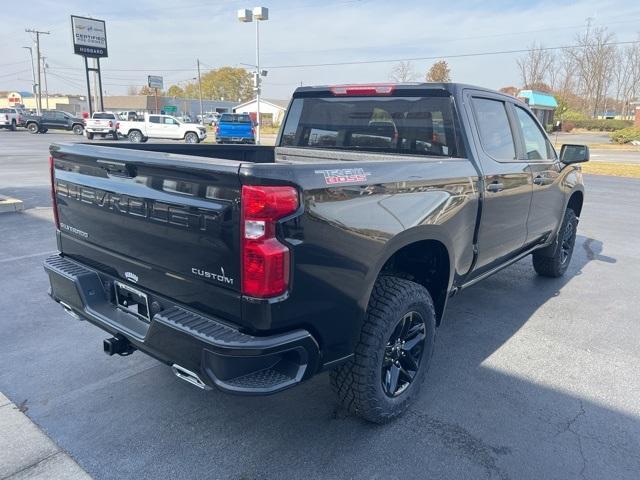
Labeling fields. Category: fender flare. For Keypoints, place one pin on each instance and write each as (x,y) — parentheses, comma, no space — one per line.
(401,240)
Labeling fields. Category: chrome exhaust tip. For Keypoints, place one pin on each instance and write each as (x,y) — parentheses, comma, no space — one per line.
(189,376)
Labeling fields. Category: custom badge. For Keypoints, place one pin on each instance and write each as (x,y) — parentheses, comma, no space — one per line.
(343,175)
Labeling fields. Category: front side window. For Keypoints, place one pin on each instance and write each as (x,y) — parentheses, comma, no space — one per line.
(420,125)
(493,125)
(536,143)
(170,121)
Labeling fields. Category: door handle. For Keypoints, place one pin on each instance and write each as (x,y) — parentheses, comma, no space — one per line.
(495,187)
(540,180)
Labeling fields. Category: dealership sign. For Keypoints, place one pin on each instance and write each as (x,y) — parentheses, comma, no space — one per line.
(89,36)
(155,81)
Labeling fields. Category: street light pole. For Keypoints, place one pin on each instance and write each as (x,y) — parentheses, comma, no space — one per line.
(257,80)
(33,71)
(258,14)
(46,86)
(200,88)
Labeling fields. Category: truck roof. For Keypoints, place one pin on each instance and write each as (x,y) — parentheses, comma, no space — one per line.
(450,87)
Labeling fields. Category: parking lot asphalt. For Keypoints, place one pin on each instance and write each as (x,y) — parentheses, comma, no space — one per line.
(532,378)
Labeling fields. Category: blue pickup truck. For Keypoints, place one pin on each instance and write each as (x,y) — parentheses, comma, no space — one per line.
(235,128)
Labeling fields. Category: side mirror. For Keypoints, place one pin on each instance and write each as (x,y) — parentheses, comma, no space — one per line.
(574,154)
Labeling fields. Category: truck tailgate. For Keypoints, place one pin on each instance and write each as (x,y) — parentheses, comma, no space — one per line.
(168,223)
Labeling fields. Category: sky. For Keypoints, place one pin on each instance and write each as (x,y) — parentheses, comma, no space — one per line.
(147,37)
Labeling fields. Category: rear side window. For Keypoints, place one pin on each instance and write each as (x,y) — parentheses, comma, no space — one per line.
(536,143)
(235,118)
(493,125)
(405,125)
(154,119)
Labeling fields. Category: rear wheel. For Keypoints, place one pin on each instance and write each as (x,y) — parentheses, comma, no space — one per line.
(393,354)
(114,135)
(77,129)
(90,135)
(191,137)
(135,136)
(556,264)
(14,127)
(32,127)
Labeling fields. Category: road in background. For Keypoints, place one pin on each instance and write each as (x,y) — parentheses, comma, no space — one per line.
(531,378)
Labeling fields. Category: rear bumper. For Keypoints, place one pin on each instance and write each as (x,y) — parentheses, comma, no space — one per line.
(235,140)
(222,356)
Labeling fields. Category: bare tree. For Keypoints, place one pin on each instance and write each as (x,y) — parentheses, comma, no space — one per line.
(535,65)
(132,90)
(626,76)
(593,58)
(403,72)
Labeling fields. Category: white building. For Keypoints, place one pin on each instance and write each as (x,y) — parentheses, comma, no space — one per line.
(271,111)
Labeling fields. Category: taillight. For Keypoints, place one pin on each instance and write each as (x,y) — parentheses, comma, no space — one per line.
(6,117)
(217,129)
(84,122)
(117,125)
(265,261)
(371,89)
(54,199)
(110,124)
(253,131)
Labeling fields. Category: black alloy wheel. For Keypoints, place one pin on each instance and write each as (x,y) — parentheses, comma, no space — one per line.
(403,354)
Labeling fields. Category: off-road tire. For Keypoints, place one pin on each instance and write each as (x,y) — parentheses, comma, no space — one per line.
(556,264)
(32,127)
(77,129)
(358,383)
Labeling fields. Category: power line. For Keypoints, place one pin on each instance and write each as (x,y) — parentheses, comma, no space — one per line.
(438,57)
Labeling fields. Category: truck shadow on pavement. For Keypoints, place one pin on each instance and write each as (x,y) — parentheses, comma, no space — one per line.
(508,396)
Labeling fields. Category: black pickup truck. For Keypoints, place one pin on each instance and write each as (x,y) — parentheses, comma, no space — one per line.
(54,120)
(252,268)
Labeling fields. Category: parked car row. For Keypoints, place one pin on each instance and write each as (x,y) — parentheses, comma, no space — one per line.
(229,127)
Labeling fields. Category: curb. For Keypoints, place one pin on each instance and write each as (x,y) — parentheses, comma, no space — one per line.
(26,452)
(8,204)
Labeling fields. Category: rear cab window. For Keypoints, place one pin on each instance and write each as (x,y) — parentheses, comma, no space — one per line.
(400,123)
(104,116)
(235,118)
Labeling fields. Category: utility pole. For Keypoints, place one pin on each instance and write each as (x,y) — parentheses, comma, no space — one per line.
(46,86)
(39,97)
(200,88)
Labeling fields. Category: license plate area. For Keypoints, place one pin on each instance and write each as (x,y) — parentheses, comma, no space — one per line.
(132,300)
